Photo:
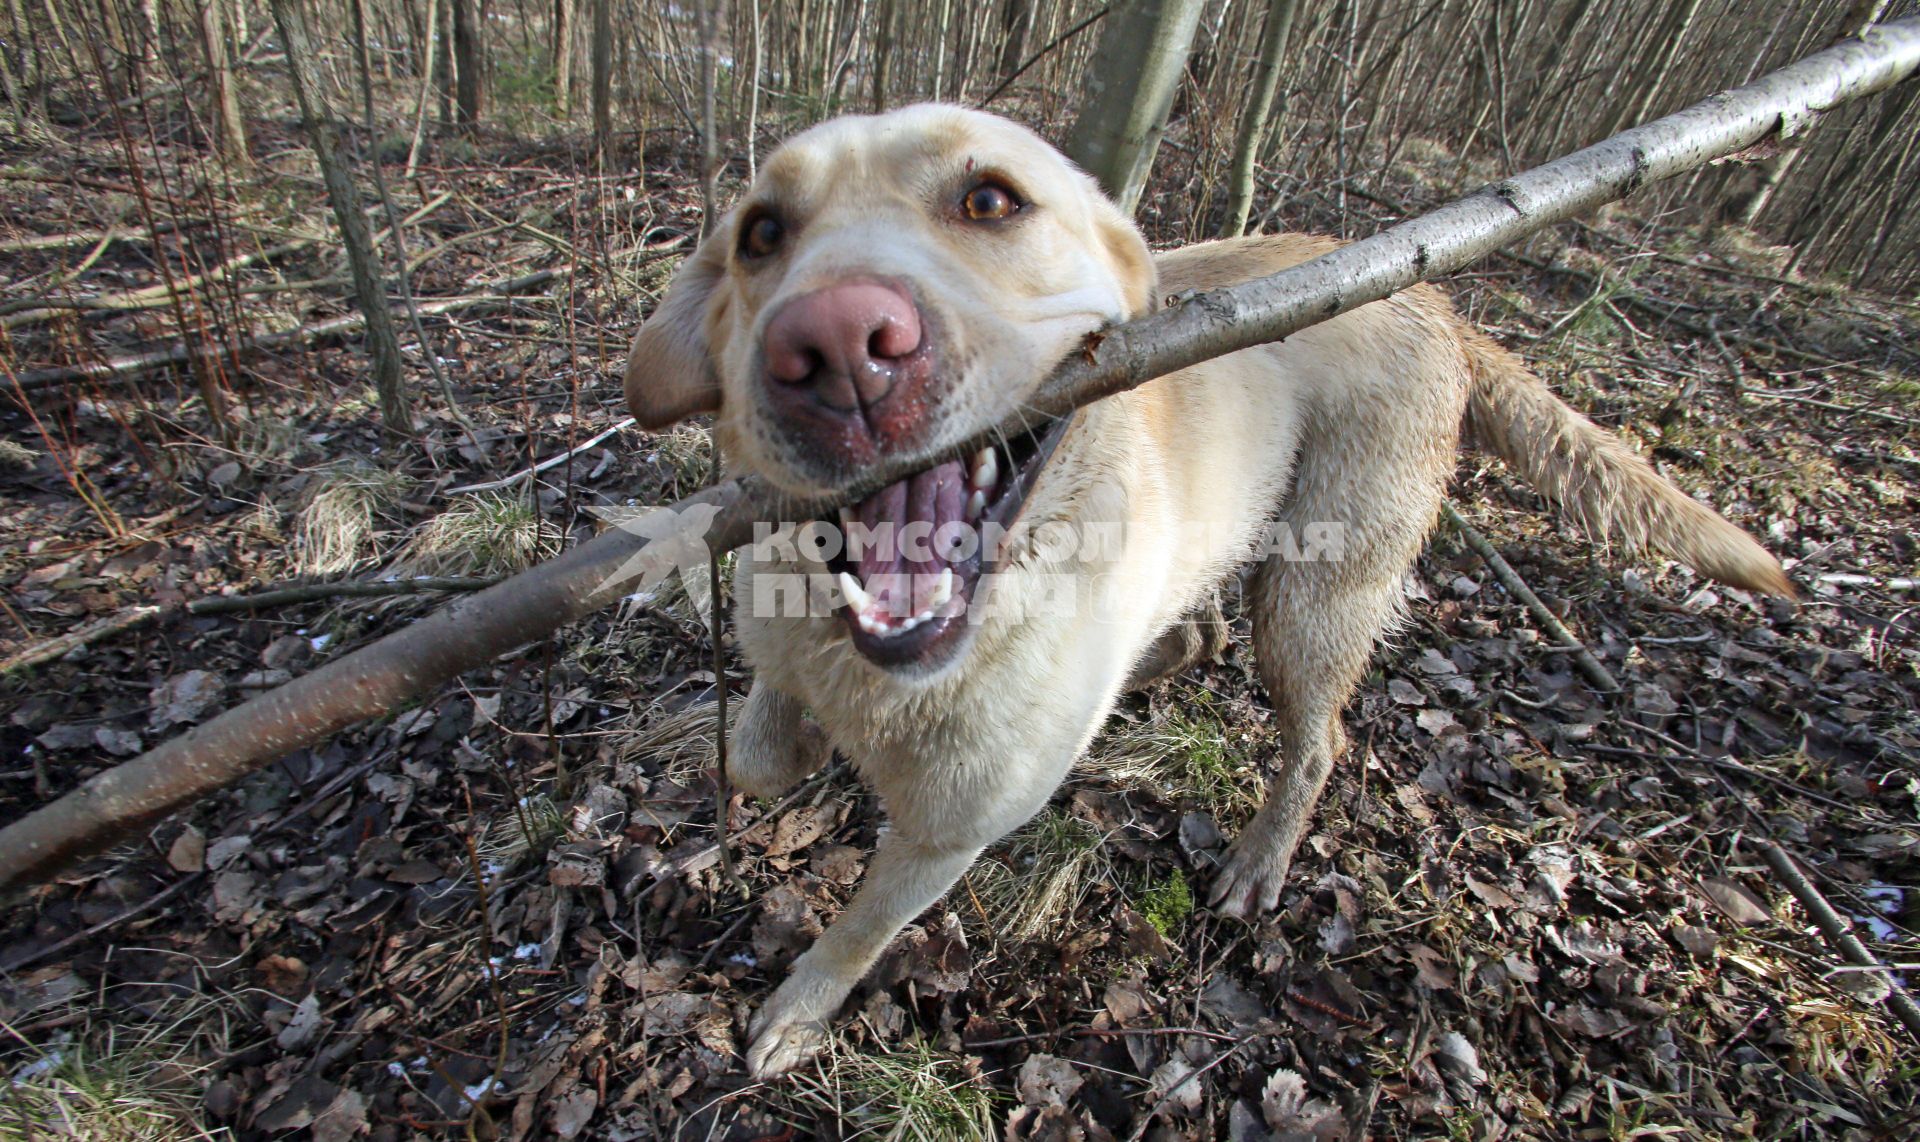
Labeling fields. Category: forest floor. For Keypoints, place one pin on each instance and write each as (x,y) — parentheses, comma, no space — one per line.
(1524,909)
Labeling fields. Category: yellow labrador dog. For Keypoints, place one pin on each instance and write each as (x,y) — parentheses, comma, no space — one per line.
(899,283)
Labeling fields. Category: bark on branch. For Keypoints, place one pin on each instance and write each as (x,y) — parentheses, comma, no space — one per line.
(370,682)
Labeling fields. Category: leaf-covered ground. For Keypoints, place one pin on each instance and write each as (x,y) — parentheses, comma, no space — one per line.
(1524,910)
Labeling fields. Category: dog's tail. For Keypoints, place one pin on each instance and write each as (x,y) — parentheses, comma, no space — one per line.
(1598,480)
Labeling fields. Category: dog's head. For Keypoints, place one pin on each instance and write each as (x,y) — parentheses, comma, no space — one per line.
(893,284)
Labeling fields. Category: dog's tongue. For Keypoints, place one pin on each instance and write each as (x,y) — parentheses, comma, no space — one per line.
(934,497)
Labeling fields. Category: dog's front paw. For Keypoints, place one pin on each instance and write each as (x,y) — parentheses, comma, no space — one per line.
(1249,881)
(780,1047)
(793,1026)
(773,746)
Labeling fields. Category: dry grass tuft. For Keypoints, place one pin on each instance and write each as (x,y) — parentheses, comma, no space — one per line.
(528,829)
(108,1079)
(491,533)
(1840,1040)
(678,743)
(1032,883)
(684,458)
(1181,752)
(912,1093)
(337,519)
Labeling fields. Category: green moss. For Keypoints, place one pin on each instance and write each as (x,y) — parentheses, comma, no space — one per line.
(1168,904)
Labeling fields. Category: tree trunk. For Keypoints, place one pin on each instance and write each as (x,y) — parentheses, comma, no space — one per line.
(709,21)
(563,56)
(426,53)
(230,131)
(753,98)
(1016,28)
(940,48)
(469,61)
(1130,84)
(1253,119)
(603,79)
(882,54)
(449,64)
(372,298)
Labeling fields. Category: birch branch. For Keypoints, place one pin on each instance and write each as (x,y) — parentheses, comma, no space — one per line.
(467,633)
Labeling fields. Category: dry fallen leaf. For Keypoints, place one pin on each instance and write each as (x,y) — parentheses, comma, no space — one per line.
(188,853)
(1741,906)
(1045,1080)
(185,698)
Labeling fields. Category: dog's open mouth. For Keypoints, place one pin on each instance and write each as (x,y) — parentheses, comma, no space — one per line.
(913,552)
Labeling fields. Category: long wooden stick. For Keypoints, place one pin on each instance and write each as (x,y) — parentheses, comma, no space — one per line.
(470,631)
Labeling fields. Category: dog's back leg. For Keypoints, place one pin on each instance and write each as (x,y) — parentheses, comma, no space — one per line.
(1370,494)
(1199,636)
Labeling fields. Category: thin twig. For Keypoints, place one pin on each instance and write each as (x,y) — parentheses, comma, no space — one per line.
(121,369)
(1839,932)
(550,462)
(722,792)
(1583,659)
(1101,1032)
(21,958)
(1036,57)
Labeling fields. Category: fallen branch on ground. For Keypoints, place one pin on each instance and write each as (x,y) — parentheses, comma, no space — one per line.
(542,466)
(1839,933)
(121,369)
(372,681)
(166,293)
(1583,659)
(132,618)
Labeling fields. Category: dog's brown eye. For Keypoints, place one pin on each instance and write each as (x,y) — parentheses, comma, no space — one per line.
(761,236)
(990,202)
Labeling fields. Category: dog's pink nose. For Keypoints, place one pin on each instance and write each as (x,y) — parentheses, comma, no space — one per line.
(846,342)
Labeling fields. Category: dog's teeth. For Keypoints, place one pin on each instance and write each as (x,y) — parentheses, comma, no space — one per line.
(857,596)
(942,591)
(976,504)
(846,522)
(986,470)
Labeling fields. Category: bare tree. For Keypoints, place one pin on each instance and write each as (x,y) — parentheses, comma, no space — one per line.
(709,18)
(1129,91)
(323,135)
(469,61)
(603,78)
(563,55)
(1253,118)
(1016,28)
(230,131)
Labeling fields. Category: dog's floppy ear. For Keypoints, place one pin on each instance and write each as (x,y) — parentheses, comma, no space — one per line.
(1126,252)
(670,372)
